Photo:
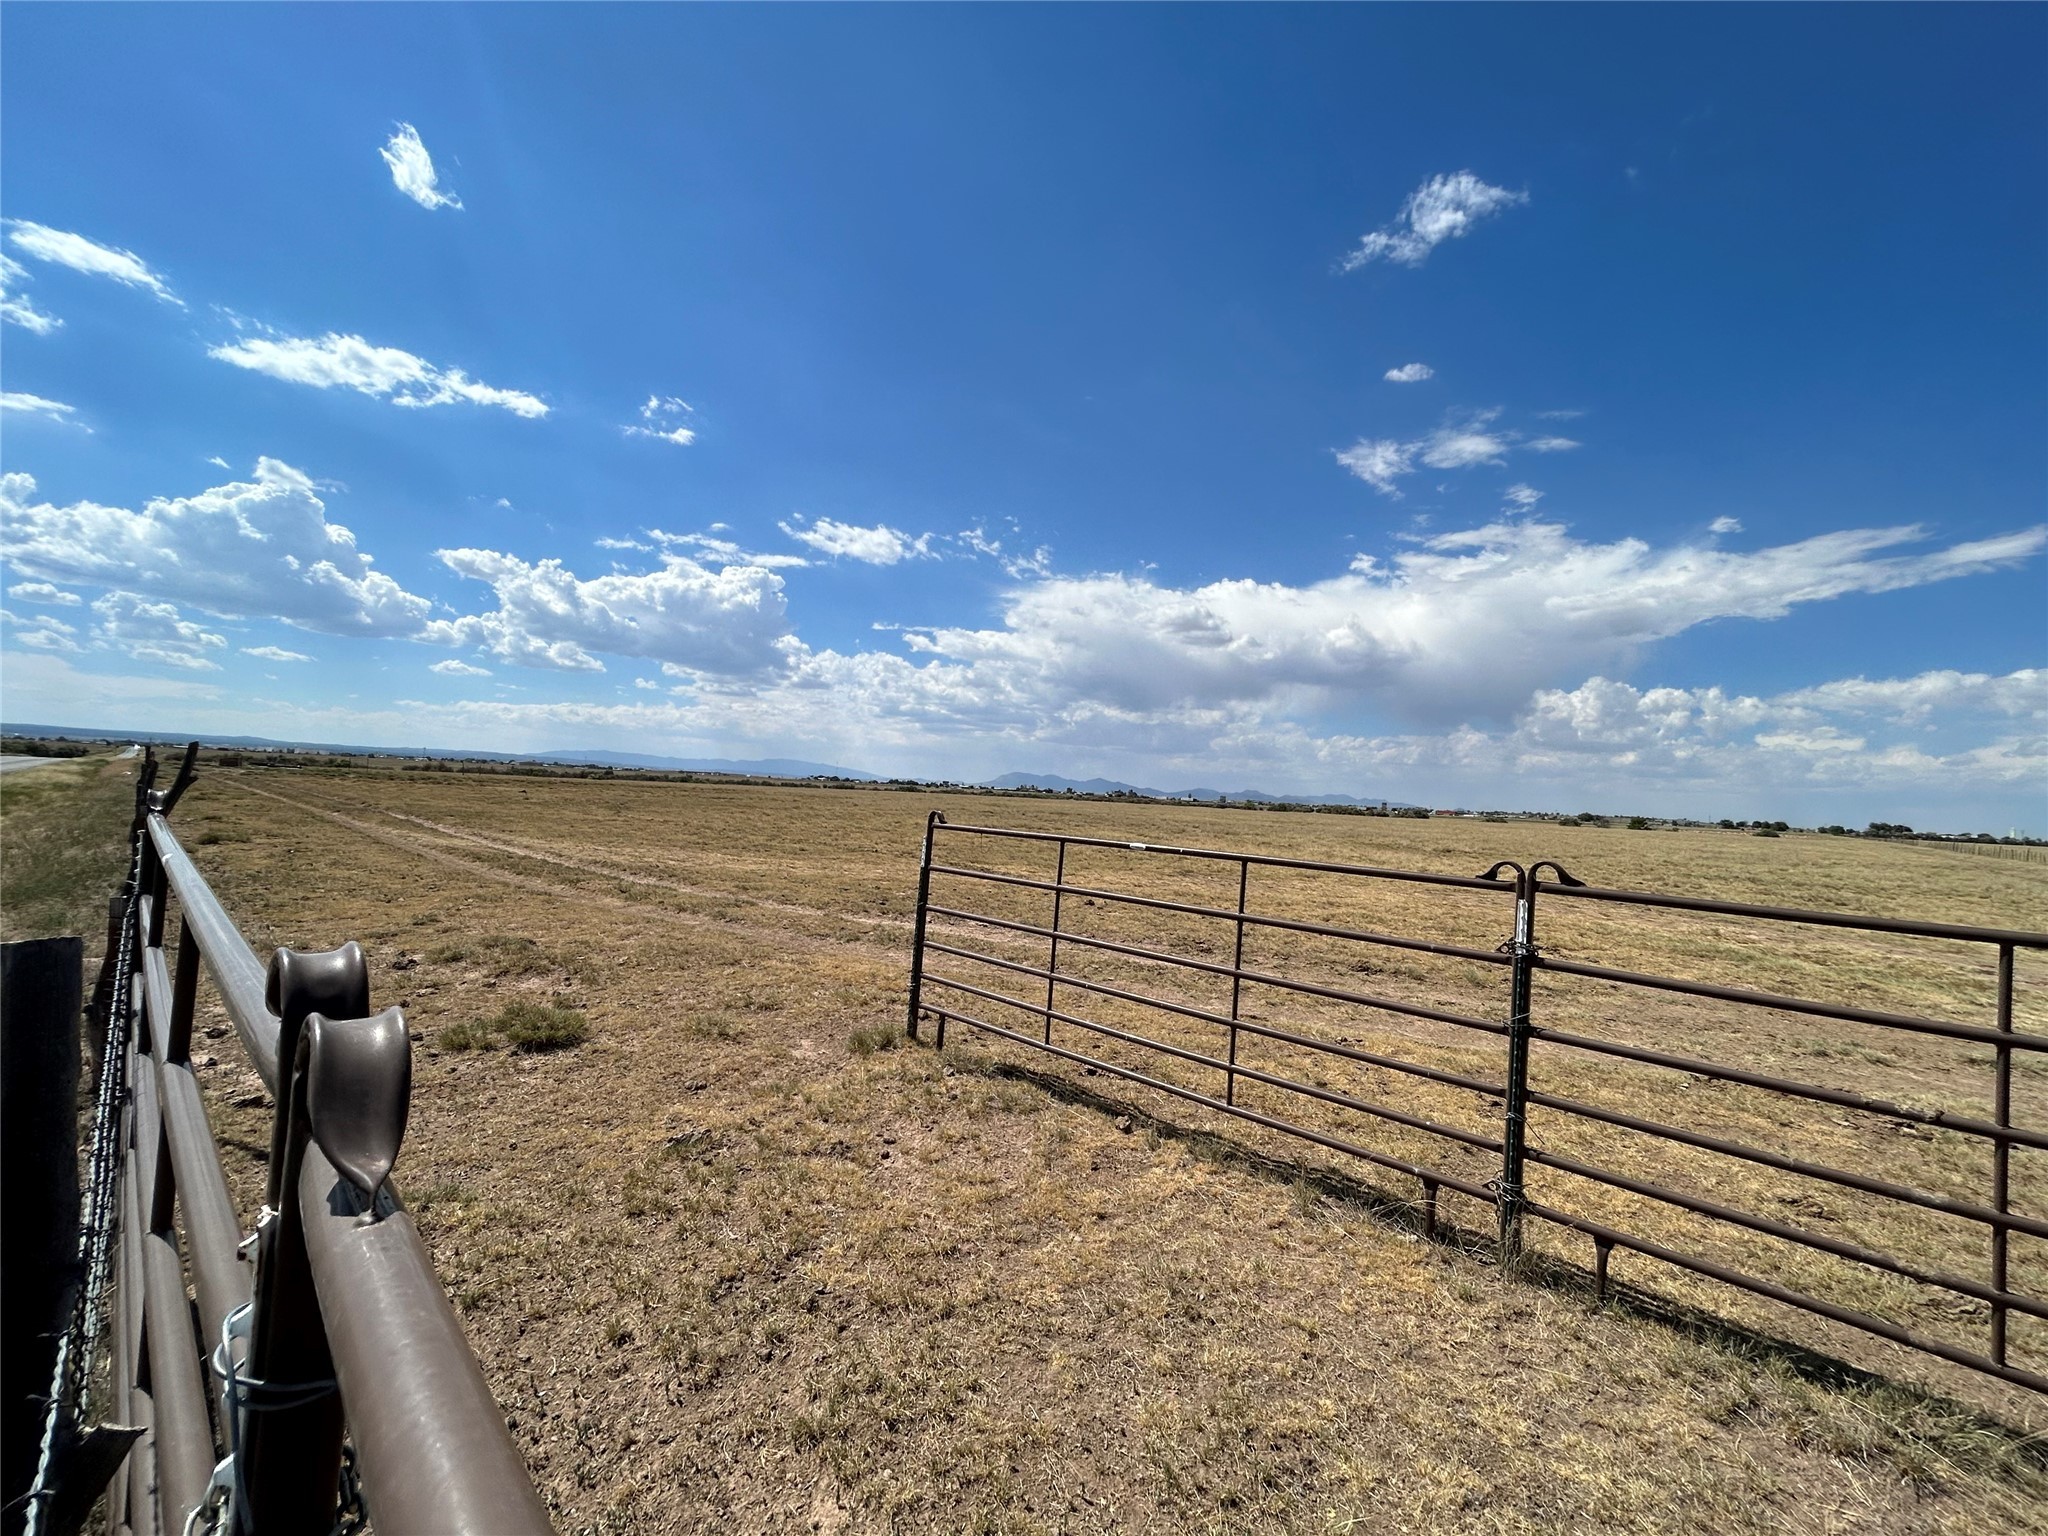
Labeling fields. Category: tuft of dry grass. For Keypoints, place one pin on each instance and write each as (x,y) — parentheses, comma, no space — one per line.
(521,1024)
(728,1270)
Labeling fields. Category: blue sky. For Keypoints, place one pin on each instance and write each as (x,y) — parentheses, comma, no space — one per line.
(1625,408)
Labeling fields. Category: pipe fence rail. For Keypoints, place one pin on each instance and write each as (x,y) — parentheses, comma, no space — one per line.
(1037,985)
(313,1377)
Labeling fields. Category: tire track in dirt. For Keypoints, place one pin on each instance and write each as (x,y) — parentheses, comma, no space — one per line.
(528,851)
(424,849)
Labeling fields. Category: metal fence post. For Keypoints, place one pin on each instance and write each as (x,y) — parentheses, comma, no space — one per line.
(1521,953)
(1052,959)
(924,896)
(1244,874)
(2001,1150)
(289,1458)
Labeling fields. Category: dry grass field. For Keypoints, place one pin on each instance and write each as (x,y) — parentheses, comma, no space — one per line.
(739,1258)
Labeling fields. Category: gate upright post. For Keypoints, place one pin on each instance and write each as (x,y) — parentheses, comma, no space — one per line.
(1052,959)
(2001,1150)
(1244,875)
(1522,954)
(924,895)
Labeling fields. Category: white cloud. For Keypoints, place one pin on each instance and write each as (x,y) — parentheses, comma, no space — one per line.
(1521,497)
(412,169)
(623,544)
(83,255)
(1464,625)
(36,405)
(385,372)
(217,461)
(453,668)
(725,551)
(1462,442)
(257,549)
(1913,699)
(274,653)
(1467,443)
(1017,567)
(43,592)
(18,310)
(879,545)
(39,631)
(730,622)
(1709,737)
(1725,525)
(1379,462)
(647,683)
(664,417)
(1442,208)
(151,631)
(1410,373)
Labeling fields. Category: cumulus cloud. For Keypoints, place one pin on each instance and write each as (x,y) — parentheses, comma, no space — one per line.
(1725,525)
(1442,208)
(1521,498)
(412,169)
(1708,736)
(452,668)
(1461,442)
(255,549)
(730,622)
(151,631)
(39,631)
(388,373)
(666,419)
(274,653)
(879,545)
(1410,373)
(1913,699)
(43,592)
(1463,625)
(36,405)
(16,309)
(82,255)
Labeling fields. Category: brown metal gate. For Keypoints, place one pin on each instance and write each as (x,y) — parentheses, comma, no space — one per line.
(1036,956)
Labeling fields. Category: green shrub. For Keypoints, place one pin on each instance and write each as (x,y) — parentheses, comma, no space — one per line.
(525,1026)
(464,1036)
(541,1026)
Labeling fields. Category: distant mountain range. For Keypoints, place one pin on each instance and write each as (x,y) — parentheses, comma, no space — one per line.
(753,767)
(760,767)
(1053,781)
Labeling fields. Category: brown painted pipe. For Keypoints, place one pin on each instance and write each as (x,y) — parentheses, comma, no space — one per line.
(431,1444)
(184,1435)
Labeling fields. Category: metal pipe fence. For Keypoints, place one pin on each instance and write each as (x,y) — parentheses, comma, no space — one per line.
(312,1375)
(1495,1101)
